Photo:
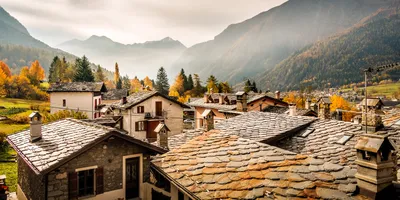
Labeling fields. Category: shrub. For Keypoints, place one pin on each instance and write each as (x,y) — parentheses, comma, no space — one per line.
(3,142)
(62,114)
(12,111)
(20,118)
(34,107)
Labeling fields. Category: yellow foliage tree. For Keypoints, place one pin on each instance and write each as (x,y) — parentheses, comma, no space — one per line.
(178,85)
(147,82)
(24,71)
(4,67)
(292,98)
(36,73)
(4,83)
(116,74)
(184,98)
(339,102)
(136,86)
(109,84)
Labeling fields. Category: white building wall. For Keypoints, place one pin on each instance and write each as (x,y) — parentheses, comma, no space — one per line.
(82,101)
(173,117)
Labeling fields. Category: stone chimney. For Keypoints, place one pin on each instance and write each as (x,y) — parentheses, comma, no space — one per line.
(208,116)
(221,99)
(307,104)
(162,135)
(292,109)
(324,106)
(241,101)
(373,120)
(277,95)
(376,165)
(123,100)
(35,126)
(205,98)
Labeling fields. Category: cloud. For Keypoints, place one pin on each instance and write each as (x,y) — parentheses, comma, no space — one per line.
(130,21)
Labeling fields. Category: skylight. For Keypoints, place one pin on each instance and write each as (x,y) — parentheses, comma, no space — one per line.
(307,132)
(344,139)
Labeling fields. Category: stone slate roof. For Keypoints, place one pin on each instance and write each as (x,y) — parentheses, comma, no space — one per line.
(78,87)
(221,165)
(179,139)
(250,98)
(276,109)
(60,141)
(141,96)
(391,117)
(372,102)
(115,94)
(322,142)
(264,126)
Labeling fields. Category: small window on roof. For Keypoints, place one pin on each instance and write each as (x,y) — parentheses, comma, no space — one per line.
(344,139)
(307,132)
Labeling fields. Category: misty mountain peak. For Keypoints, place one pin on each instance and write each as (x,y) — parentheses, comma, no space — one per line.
(99,38)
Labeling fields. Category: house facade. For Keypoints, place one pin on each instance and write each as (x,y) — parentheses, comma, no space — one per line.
(72,159)
(226,105)
(78,96)
(143,111)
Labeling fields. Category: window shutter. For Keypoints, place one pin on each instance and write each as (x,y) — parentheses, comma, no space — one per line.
(136,126)
(145,125)
(138,109)
(99,181)
(73,185)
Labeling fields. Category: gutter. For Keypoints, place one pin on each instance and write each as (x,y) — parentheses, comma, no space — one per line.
(173,181)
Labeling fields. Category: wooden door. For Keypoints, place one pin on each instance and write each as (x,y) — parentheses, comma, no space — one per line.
(132,174)
(158,108)
(151,135)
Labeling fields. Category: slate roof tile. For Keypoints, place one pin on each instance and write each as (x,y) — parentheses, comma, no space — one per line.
(78,87)
(239,176)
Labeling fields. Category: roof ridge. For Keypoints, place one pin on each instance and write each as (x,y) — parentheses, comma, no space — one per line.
(90,124)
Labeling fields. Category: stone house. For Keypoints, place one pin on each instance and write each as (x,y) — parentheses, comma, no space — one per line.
(143,111)
(226,105)
(73,159)
(77,96)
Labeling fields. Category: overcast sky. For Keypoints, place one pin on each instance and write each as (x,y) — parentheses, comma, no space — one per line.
(132,21)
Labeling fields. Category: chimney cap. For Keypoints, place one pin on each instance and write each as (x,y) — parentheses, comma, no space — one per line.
(35,115)
(240,93)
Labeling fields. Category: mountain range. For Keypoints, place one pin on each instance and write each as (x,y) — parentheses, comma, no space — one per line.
(138,59)
(255,46)
(301,42)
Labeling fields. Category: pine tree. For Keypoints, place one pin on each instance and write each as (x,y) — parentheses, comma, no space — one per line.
(247,86)
(119,84)
(254,87)
(116,74)
(99,75)
(190,82)
(83,71)
(162,84)
(185,80)
(53,76)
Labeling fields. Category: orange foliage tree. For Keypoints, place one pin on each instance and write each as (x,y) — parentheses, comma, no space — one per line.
(36,73)
(148,82)
(292,98)
(136,86)
(339,102)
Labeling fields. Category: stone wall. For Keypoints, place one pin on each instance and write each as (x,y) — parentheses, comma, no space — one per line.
(31,184)
(107,154)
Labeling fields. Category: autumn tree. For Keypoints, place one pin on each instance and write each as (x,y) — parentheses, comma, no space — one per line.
(162,84)
(340,103)
(136,85)
(99,75)
(36,73)
(225,87)
(293,98)
(83,71)
(4,67)
(212,84)
(147,82)
(177,89)
(116,74)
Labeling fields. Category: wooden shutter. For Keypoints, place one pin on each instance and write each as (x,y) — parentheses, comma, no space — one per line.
(138,109)
(73,185)
(99,181)
(145,125)
(136,126)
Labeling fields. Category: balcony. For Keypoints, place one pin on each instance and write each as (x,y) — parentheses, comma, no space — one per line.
(155,115)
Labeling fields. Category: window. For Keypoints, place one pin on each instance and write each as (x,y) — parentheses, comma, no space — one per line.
(140,109)
(95,104)
(307,132)
(344,139)
(86,183)
(366,155)
(180,195)
(158,108)
(140,126)
(64,102)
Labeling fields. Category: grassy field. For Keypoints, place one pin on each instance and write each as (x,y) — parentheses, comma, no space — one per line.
(380,90)
(14,107)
